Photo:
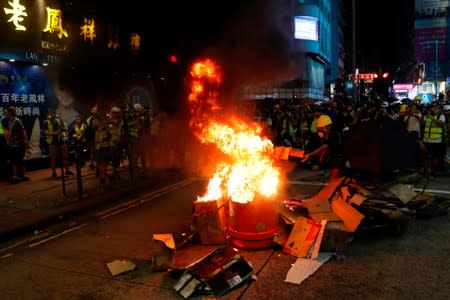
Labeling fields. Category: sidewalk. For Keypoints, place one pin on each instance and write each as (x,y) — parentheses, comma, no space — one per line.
(27,206)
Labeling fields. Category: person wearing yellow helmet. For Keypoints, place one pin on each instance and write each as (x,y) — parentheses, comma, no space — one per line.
(324,145)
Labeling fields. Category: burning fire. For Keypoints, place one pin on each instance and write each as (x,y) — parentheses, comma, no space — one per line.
(247,169)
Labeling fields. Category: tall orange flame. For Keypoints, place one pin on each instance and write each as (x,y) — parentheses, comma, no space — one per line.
(247,170)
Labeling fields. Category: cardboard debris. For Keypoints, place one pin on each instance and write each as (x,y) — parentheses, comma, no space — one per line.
(403,192)
(302,237)
(217,273)
(330,216)
(327,192)
(317,205)
(210,220)
(360,190)
(120,266)
(357,199)
(351,217)
(284,153)
(305,267)
(297,153)
(163,249)
(318,242)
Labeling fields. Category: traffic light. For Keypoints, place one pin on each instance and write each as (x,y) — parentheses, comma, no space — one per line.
(173,59)
(381,84)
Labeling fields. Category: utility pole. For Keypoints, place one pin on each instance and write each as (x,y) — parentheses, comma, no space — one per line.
(436,69)
(354,80)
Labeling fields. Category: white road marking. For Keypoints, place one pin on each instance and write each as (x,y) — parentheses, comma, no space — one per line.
(144,198)
(57,235)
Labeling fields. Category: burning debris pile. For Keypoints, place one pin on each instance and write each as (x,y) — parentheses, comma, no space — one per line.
(246,180)
(242,207)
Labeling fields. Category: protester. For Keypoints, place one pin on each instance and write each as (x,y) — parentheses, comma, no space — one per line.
(17,141)
(102,148)
(4,173)
(434,140)
(116,129)
(325,145)
(91,126)
(55,134)
(77,137)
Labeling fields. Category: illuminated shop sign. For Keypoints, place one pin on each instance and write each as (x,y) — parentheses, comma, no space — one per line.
(403,86)
(88,30)
(17,12)
(54,22)
(135,42)
(25,25)
(306,28)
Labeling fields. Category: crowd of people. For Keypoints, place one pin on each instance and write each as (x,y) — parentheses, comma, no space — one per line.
(318,128)
(102,139)
(105,139)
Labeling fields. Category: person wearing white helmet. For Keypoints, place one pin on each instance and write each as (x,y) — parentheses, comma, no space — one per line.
(138,107)
(325,146)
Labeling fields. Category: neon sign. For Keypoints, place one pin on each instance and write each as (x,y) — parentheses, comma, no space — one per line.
(17,11)
(54,22)
(88,30)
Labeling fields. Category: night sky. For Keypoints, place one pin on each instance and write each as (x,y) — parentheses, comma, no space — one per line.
(384,39)
(242,37)
(383,35)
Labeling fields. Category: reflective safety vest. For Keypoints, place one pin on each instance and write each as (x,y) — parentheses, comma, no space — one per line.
(2,131)
(313,127)
(79,131)
(136,126)
(116,131)
(432,130)
(134,131)
(50,128)
(102,138)
(292,130)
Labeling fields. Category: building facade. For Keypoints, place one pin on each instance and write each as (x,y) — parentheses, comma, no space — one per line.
(316,47)
(432,48)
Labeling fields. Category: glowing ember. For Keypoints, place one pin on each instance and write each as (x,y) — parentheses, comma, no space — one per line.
(247,169)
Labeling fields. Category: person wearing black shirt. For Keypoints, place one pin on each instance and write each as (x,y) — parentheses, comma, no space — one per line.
(326,146)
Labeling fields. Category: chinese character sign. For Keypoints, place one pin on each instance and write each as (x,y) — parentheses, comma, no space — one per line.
(17,12)
(26,88)
(54,22)
(88,30)
(135,42)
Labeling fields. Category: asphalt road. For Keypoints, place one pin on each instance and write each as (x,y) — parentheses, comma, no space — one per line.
(68,261)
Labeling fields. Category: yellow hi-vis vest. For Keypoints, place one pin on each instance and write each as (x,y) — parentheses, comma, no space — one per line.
(432,130)
(292,130)
(79,131)
(2,131)
(102,138)
(50,128)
